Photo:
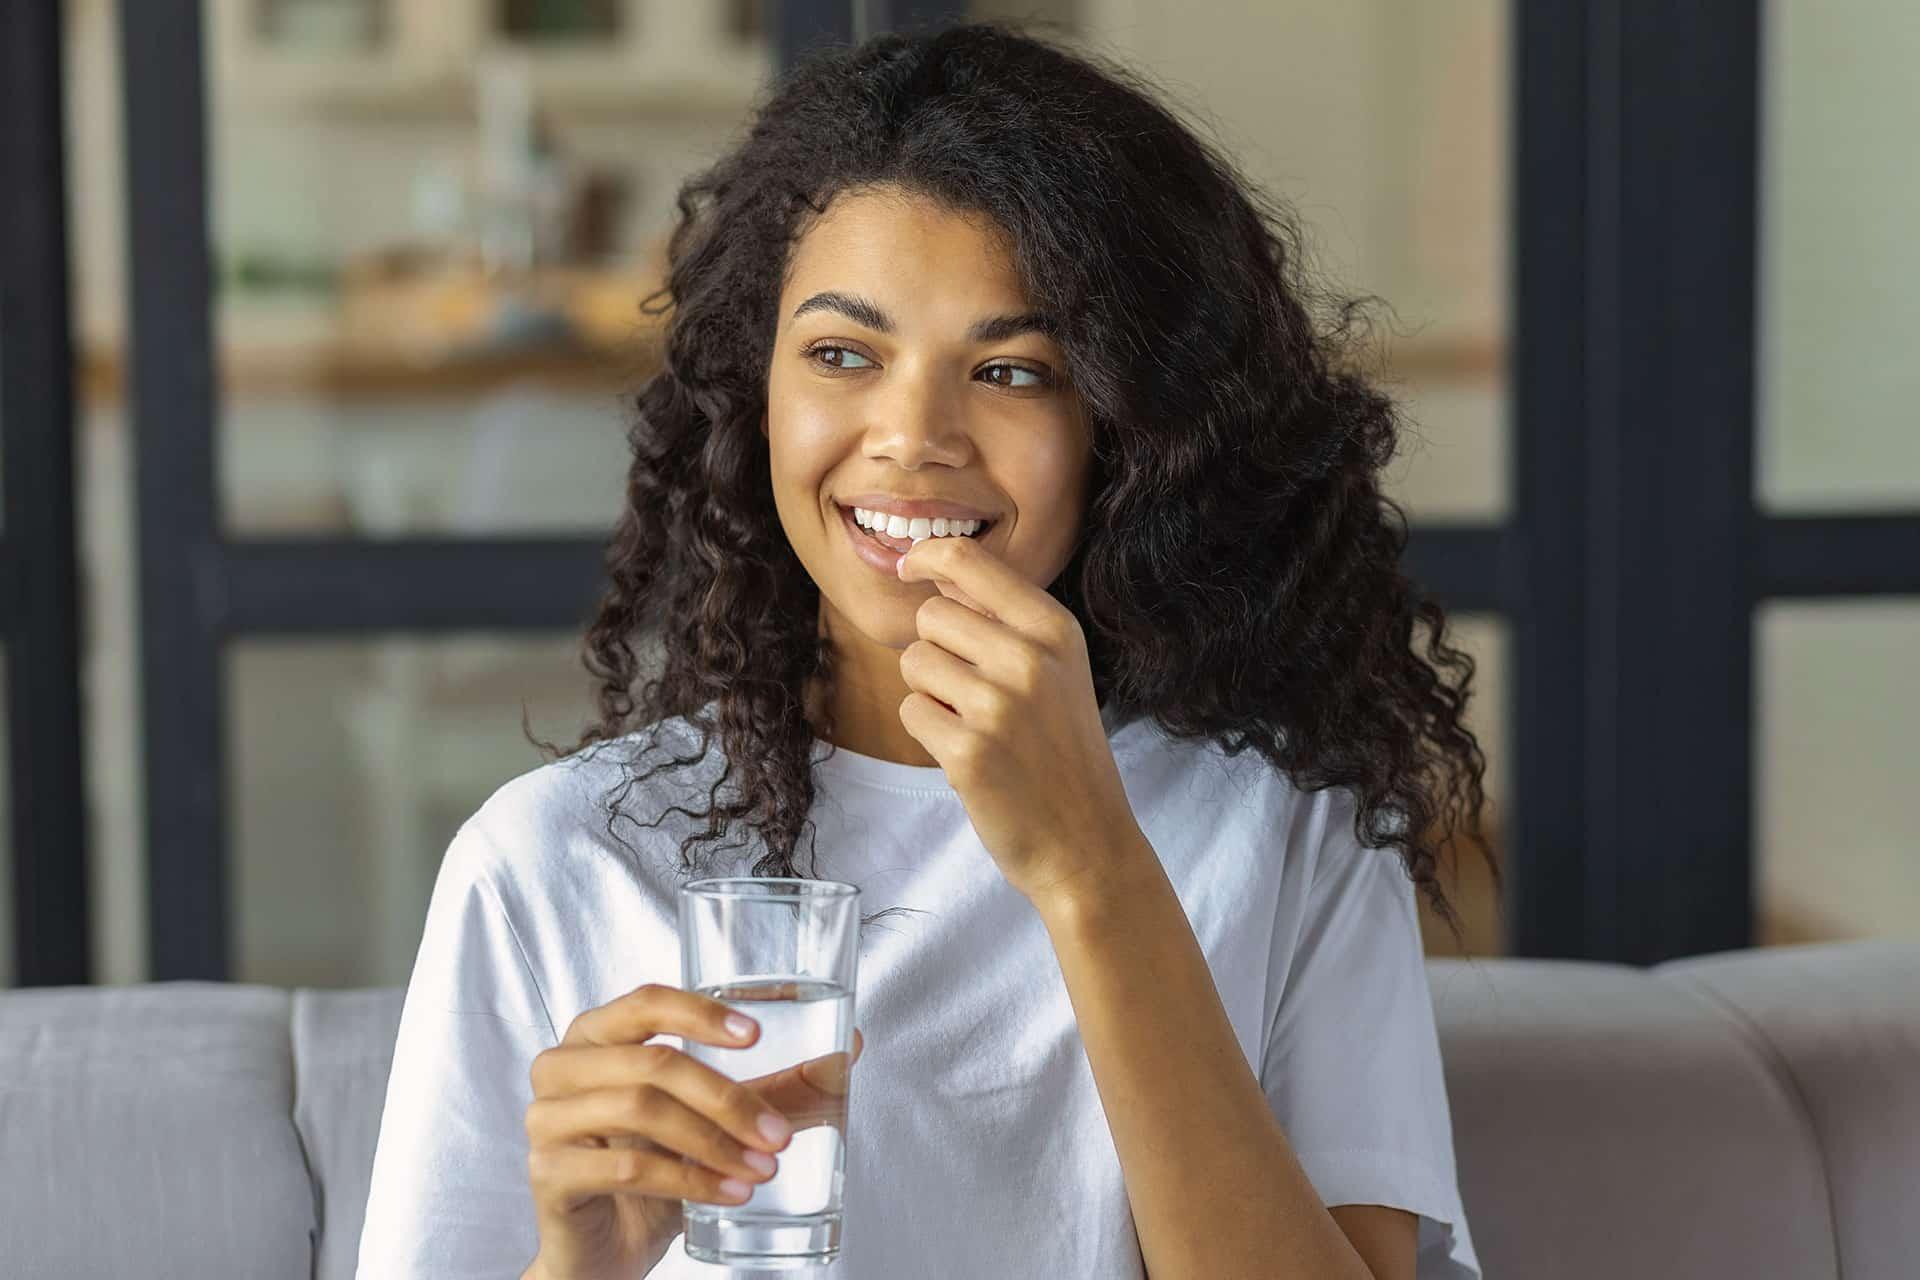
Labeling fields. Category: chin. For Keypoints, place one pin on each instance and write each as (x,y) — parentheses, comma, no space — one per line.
(889,625)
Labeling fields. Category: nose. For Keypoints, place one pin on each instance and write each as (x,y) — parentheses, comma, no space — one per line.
(916,424)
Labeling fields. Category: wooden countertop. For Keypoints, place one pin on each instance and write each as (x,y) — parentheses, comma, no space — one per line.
(333,371)
(341,373)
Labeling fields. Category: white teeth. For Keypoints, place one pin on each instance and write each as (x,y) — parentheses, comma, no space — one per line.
(917,528)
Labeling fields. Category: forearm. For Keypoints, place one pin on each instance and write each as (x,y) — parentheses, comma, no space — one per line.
(1213,1183)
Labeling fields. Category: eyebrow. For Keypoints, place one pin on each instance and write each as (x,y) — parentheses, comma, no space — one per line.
(869,313)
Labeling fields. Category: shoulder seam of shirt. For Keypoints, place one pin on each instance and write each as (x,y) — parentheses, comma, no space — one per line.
(1332,832)
(1273,931)
(485,882)
(1339,832)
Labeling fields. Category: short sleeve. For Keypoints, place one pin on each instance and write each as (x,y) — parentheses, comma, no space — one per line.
(449,1194)
(1352,1061)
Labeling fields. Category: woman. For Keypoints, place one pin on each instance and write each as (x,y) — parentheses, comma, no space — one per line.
(1160,1004)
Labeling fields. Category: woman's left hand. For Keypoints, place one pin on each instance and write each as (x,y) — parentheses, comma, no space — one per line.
(1004,700)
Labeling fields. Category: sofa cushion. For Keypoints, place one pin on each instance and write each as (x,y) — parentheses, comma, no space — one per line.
(1609,1124)
(1841,1023)
(342,1054)
(147,1130)
(1721,1115)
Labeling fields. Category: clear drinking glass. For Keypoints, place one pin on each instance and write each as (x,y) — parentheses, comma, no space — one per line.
(783,951)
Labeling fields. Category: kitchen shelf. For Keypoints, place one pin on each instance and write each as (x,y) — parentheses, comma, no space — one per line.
(675,58)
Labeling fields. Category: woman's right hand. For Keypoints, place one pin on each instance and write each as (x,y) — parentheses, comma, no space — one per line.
(612,1117)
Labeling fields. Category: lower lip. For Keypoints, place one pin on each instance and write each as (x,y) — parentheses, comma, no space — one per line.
(877,554)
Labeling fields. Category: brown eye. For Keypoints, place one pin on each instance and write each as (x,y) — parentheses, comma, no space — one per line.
(1039,379)
(813,354)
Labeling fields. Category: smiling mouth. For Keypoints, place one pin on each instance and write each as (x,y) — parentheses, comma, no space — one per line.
(901,544)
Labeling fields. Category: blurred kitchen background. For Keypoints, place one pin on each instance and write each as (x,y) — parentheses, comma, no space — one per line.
(430,224)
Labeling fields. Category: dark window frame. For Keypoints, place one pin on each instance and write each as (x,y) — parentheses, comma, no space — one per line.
(1647,552)
(39,577)
(1634,219)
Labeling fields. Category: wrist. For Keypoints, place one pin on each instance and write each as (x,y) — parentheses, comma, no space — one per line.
(1131,867)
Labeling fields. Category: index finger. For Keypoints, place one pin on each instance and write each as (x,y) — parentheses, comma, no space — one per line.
(658,1009)
(979,574)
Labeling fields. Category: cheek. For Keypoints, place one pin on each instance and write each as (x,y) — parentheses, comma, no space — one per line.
(800,448)
(1047,482)
(804,451)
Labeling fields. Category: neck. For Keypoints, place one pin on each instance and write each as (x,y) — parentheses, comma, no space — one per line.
(863,718)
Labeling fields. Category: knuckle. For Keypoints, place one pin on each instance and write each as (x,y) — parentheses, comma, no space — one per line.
(720,1149)
(539,1167)
(654,1059)
(742,1102)
(629,1164)
(643,1103)
(541,1072)
(970,752)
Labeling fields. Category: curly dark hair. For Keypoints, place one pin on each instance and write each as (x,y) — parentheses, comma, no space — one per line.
(1238,578)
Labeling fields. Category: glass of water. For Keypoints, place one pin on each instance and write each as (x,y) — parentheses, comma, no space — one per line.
(784,952)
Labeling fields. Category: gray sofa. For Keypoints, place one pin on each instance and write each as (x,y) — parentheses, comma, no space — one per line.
(1752,1114)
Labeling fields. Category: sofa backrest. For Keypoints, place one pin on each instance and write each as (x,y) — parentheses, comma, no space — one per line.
(1756,1113)
(1838,1027)
(146,1131)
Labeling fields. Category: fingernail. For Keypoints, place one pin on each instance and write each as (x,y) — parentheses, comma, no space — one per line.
(739,1026)
(735,1188)
(774,1127)
(759,1161)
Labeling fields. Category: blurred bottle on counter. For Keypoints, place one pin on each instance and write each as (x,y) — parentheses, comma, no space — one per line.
(440,206)
(524,189)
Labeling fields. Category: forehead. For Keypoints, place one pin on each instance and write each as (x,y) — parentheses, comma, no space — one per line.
(908,248)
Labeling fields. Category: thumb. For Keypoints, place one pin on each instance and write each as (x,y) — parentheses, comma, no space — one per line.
(829,1074)
(810,1092)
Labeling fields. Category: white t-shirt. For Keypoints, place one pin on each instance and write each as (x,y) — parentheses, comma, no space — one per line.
(976,1142)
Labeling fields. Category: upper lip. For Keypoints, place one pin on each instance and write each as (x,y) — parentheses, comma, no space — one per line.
(909,508)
